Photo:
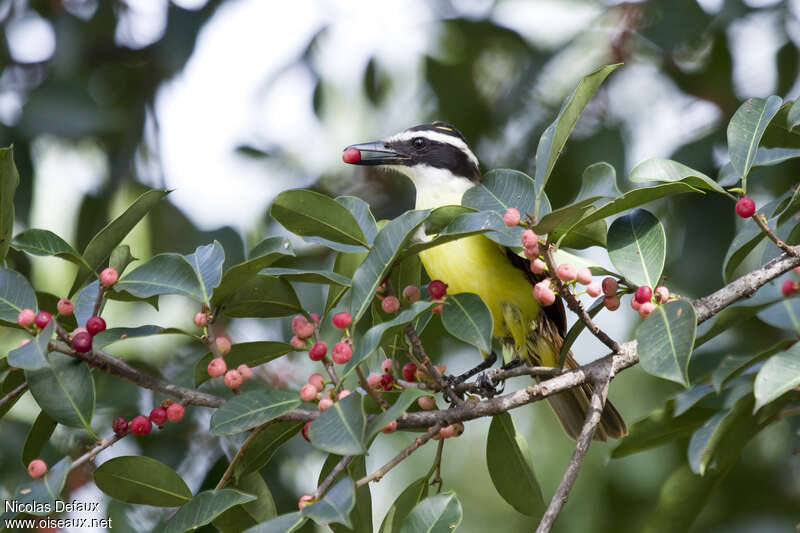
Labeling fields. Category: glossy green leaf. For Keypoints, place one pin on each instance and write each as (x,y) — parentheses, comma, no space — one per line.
(793,117)
(263,254)
(38,436)
(599,180)
(688,398)
(779,375)
(388,243)
(335,506)
(120,258)
(361,212)
(468,319)
(9,180)
(142,480)
(744,243)
(732,366)
(264,445)
(112,335)
(682,498)
(16,294)
(361,514)
(408,499)
(403,402)
(728,318)
(666,339)
(207,263)
(243,353)
(311,214)
(325,277)
(45,243)
(340,429)
(510,467)
(248,514)
(464,225)
(64,389)
(252,409)
(745,131)
(500,189)
(438,514)
(264,297)
(784,314)
(286,523)
(637,245)
(163,274)
(13,379)
(32,356)
(44,491)
(345,264)
(204,508)
(667,170)
(705,439)
(107,239)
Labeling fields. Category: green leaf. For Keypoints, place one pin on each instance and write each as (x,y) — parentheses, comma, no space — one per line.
(286,523)
(240,517)
(361,514)
(784,314)
(680,501)
(732,366)
(793,117)
(326,277)
(16,294)
(702,445)
(438,514)
(399,510)
(576,329)
(779,375)
(264,445)
(667,170)
(37,437)
(120,258)
(264,254)
(688,398)
(252,409)
(43,242)
(64,389)
(311,214)
(468,319)
(500,189)
(162,274)
(340,428)
(13,379)
(403,402)
(204,508)
(510,467)
(744,243)
(112,335)
(142,480)
(599,180)
(100,247)
(335,506)
(462,226)
(265,297)
(728,318)
(243,353)
(388,243)
(665,340)
(207,263)
(745,131)
(552,141)
(637,245)
(345,264)
(360,210)
(31,356)
(45,491)
(9,179)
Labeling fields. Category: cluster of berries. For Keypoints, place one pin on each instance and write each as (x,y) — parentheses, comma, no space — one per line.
(142,425)
(218,367)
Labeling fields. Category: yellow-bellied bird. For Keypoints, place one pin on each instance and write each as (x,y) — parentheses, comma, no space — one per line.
(442,167)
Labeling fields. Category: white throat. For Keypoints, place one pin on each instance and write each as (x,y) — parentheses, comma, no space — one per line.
(435,186)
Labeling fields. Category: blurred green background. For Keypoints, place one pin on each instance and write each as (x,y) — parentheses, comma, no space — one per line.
(229,103)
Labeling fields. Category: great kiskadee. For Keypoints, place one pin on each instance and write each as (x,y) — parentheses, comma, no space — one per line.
(442,167)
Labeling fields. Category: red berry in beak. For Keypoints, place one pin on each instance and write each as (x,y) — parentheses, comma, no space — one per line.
(351,155)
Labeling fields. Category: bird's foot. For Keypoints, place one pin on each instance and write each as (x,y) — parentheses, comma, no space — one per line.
(487,387)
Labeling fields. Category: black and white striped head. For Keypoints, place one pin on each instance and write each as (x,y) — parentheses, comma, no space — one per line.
(435,146)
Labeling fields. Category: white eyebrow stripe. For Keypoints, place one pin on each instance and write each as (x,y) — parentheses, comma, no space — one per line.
(438,137)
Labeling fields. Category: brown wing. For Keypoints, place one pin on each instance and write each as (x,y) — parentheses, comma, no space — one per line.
(556,312)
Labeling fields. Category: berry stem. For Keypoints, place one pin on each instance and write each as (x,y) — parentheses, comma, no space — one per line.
(436,468)
(408,450)
(97,448)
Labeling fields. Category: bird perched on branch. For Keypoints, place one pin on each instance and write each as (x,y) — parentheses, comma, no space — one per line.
(442,167)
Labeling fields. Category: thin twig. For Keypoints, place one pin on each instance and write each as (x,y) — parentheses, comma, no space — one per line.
(99,300)
(413,337)
(326,362)
(226,476)
(91,454)
(408,450)
(774,238)
(496,375)
(437,464)
(375,395)
(18,390)
(328,481)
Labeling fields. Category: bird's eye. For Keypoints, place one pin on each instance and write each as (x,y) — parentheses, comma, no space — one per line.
(419,142)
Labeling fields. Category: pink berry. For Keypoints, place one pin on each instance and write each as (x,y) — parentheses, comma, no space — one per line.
(304,431)
(594,289)
(342,320)
(611,302)
(529,238)
(635,304)
(391,427)
(412,293)
(233,379)
(543,293)
(120,426)
(140,425)
(584,276)
(610,286)
(341,353)
(302,327)
(26,317)
(797,270)
(95,325)
(325,403)
(108,277)
(387,366)
(201,320)
(662,294)
(788,288)
(531,252)
(458,429)
(223,345)
(297,342)
(318,351)
(538,266)
(566,272)
(437,289)
(511,217)
(351,155)
(390,304)
(317,381)
(374,380)
(217,367)
(436,309)
(643,294)
(344,393)
(78,330)
(65,307)
(245,371)
(745,207)
(308,392)
(409,371)
(175,412)
(37,468)
(41,319)
(158,416)
(447,432)
(421,374)
(646,308)
(23,342)
(427,403)
(381,288)
(82,342)
(316,317)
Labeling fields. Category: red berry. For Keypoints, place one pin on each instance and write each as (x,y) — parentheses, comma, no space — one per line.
(308,392)
(610,286)
(41,319)
(662,294)
(374,380)
(223,345)
(233,379)
(65,307)
(386,382)
(95,325)
(351,155)
(646,308)
(566,272)
(217,367)
(788,288)
(436,309)
(201,319)
(342,320)
(37,468)
(307,499)
(544,293)
(594,289)
(158,416)
(412,293)
(318,351)
(511,217)
(82,342)
(120,426)
(297,342)
(643,294)
(245,371)
(341,353)
(175,412)
(584,276)
(529,238)
(26,317)
(387,366)
(391,427)
(409,371)
(318,381)
(108,277)
(315,317)
(302,327)
(427,403)
(611,302)
(140,425)
(304,431)
(390,304)
(745,207)
(538,266)
(437,289)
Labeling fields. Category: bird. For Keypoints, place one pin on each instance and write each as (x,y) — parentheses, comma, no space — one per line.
(438,161)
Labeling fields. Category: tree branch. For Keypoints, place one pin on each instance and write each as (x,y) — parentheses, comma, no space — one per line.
(226,476)
(91,454)
(408,450)
(328,481)
(19,389)
(774,238)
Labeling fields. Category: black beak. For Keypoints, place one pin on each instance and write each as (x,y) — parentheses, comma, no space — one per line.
(373,153)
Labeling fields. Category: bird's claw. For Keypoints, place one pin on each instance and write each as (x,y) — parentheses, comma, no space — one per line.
(487,387)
